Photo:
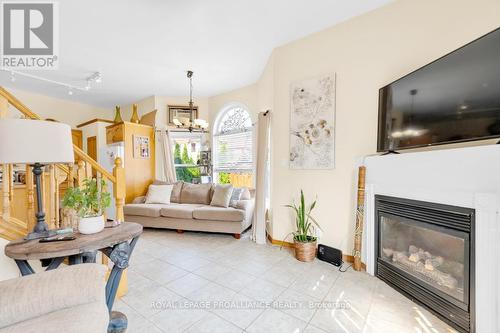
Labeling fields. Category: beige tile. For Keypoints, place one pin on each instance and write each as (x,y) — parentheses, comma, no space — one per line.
(313,329)
(235,280)
(187,284)
(177,320)
(136,322)
(148,302)
(212,272)
(232,276)
(262,290)
(212,292)
(338,320)
(213,324)
(242,311)
(159,271)
(299,305)
(277,322)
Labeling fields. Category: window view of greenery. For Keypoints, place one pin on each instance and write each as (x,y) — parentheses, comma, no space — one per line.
(184,159)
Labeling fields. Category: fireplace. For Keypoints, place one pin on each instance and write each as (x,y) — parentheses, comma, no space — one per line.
(426,251)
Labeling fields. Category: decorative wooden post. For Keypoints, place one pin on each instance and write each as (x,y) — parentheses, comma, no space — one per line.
(358,232)
(71,175)
(80,173)
(119,189)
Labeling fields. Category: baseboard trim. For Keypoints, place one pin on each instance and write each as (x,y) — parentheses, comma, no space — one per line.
(345,257)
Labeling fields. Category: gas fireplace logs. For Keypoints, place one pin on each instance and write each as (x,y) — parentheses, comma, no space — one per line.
(417,260)
(358,232)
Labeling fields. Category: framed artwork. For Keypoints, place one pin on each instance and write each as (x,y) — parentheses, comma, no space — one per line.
(180,111)
(141,147)
(312,123)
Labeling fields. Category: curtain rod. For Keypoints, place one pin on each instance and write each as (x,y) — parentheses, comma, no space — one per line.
(179,131)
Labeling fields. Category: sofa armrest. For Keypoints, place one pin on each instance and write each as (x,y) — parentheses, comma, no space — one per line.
(38,294)
(247,206)
(139,200)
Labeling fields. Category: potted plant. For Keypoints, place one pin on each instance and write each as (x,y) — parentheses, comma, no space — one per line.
(89,202)
(304,236)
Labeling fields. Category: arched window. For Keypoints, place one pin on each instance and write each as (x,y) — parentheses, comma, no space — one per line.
(233,147)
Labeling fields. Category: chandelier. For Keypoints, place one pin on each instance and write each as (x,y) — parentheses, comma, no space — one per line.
(191,123)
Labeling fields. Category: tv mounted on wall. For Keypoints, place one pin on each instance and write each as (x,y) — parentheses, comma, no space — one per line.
(453,99)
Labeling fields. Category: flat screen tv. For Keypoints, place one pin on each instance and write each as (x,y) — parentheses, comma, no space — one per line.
(453,99)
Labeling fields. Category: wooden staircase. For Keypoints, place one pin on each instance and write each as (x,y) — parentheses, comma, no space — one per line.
(17,202)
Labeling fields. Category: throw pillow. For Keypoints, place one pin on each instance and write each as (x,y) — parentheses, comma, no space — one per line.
(196,194)
(159,194)
(176,192)
(236,196)
(222,195)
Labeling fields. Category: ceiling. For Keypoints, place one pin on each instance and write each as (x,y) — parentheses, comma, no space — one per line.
(144,47)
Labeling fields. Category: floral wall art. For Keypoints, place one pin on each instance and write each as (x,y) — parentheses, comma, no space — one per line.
(312,139)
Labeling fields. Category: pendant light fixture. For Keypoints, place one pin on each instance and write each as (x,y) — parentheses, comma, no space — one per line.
(191,123)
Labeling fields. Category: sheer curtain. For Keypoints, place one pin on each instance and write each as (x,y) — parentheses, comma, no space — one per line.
(262,177)
(168,158)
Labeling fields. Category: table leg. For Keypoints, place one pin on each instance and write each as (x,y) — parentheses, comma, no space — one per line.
(24,267)
(119,255)
(76,259)
(55,263)
(89,257)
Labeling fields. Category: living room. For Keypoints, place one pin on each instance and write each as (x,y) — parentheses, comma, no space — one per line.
(266,167)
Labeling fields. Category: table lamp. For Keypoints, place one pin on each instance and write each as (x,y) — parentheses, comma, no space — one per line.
(37,143)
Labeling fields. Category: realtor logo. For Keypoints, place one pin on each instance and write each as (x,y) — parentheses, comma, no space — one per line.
(30,32)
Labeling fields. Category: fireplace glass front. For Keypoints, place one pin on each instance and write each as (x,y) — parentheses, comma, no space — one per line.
(433,255)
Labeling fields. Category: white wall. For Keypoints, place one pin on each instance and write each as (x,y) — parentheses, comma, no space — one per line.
(366,53)
(71,113)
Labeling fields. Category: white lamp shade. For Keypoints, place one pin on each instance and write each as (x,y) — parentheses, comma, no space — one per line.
(35,141)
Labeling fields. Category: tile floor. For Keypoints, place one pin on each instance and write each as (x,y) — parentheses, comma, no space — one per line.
(196,282)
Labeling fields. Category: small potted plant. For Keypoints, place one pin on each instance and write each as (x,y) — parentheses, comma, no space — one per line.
(89,202)
(304,236)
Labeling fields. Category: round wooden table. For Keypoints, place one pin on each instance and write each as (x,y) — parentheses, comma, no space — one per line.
(117,243)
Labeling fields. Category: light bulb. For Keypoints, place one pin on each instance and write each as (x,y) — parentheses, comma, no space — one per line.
(70,92)
(12,77)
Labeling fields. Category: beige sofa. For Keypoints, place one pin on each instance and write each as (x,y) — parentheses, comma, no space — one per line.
(190,209)
(68,299)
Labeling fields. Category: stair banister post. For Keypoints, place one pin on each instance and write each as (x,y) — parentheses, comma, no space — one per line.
(119,188)
(80,173)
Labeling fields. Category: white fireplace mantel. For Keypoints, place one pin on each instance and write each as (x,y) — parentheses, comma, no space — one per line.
(465,177)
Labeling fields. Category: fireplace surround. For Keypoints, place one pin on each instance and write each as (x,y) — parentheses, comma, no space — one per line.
(426,251)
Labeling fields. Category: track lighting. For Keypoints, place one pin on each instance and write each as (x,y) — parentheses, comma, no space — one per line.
(96,77)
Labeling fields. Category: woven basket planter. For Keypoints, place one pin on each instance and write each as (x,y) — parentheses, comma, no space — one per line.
(305,251)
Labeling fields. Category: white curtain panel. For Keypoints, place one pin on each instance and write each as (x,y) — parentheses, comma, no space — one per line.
(168,157)
(261,177)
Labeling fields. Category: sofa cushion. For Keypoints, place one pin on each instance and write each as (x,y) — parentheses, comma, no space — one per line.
(219,214)
(149,210)
(159,194)
(196,194)
(222,195)
(179,211)
(175,196)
